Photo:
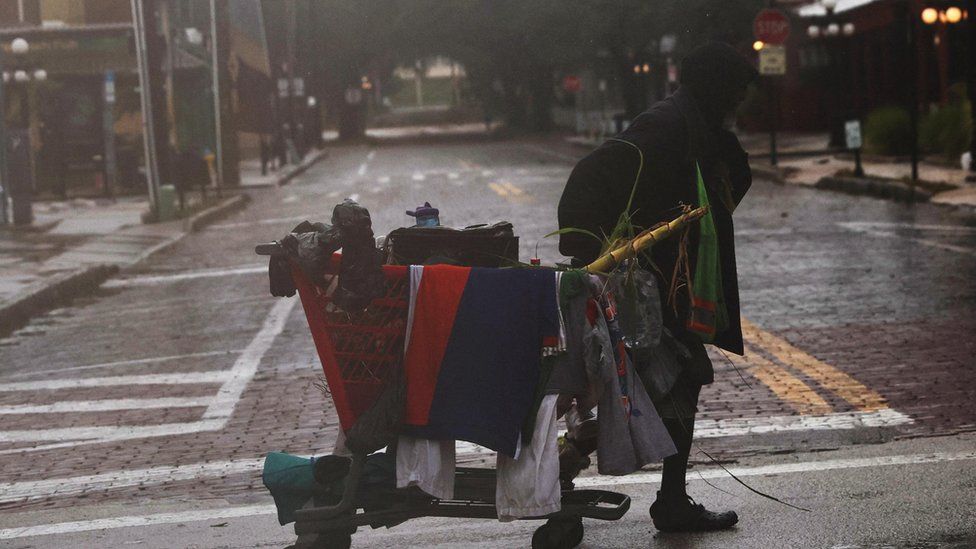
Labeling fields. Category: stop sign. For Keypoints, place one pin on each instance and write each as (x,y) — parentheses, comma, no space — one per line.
(771,26)
(572,83)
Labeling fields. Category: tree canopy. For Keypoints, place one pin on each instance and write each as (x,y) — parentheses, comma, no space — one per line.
(512,49)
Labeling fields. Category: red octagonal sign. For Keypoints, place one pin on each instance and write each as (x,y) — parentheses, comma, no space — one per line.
(771,26)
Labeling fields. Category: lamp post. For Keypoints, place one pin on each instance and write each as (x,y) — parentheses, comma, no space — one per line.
(941,18)
(18,184)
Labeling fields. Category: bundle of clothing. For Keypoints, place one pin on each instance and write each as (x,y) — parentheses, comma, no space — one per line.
(490,355)
(311,246)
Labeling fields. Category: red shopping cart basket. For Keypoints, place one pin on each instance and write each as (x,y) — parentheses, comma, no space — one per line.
(357,350)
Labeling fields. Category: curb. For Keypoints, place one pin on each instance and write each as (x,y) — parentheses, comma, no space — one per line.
(771,173)
(48,294)
(880,188)
(301,168)
(203,218)
(54,292)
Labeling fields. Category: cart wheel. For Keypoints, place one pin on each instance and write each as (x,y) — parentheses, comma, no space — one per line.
(558,534)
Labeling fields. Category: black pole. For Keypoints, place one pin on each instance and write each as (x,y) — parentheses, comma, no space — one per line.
(913,88)
(971,63)
(773,119)
(858,168)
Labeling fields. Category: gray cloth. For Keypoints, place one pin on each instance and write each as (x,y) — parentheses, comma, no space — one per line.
(631,431)
(578,371)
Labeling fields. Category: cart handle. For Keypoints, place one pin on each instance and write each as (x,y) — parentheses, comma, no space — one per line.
(269,248)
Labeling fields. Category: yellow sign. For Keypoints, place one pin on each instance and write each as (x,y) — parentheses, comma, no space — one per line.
(772,60)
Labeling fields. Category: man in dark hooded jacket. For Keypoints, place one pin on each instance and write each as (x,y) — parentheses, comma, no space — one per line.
(685,132)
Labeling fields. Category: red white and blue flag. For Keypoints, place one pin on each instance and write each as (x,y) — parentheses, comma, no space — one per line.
(474,344)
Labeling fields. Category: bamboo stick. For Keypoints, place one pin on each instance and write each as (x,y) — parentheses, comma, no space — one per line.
(647,238)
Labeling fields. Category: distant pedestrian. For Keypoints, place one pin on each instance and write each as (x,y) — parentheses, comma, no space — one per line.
(677,137)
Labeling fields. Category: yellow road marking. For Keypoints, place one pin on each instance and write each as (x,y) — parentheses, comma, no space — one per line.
(499,190)
(785,385)
(829,377)
(513,189)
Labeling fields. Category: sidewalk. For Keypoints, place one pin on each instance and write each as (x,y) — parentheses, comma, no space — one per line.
(889,179)
(73,246)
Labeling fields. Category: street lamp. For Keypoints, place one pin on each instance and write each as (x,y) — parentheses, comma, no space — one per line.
(19,46)
(20,186)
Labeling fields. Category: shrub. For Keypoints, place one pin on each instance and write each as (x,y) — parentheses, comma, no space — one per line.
(947,130)
(887,130)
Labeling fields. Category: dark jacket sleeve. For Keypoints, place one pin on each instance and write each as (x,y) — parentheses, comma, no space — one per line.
(737,160)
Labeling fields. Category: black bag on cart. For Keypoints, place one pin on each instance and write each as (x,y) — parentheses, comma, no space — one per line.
(476,246)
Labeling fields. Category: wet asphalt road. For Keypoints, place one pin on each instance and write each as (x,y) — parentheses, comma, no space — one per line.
(158,396)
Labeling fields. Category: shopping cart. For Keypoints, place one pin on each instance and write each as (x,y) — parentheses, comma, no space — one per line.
(358,352)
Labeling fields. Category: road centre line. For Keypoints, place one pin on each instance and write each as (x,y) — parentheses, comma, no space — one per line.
(785,385)
(499,190)
(582,482)
(108,405)
(184,378)
(513,189)
(153,360)
(831,378)
(150,280)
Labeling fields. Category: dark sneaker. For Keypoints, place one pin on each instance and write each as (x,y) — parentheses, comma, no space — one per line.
(684,515)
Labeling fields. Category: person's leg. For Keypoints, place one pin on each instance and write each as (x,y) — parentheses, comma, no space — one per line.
(674,510)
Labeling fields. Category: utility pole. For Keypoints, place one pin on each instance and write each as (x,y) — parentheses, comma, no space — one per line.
(148,126)
(215,89)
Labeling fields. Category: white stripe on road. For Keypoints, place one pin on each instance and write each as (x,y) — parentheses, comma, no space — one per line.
(417,176)
(784,468)
(186,378)
(886,417)
(71,406)
(73,486)
(215,417)
(588,482)
(923,241)
(710,428)
(371,155)
(152,360)
(918,227)
(362,169)
(128,522)
(247,364)
(179,277)
(543,150)
(106,433)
